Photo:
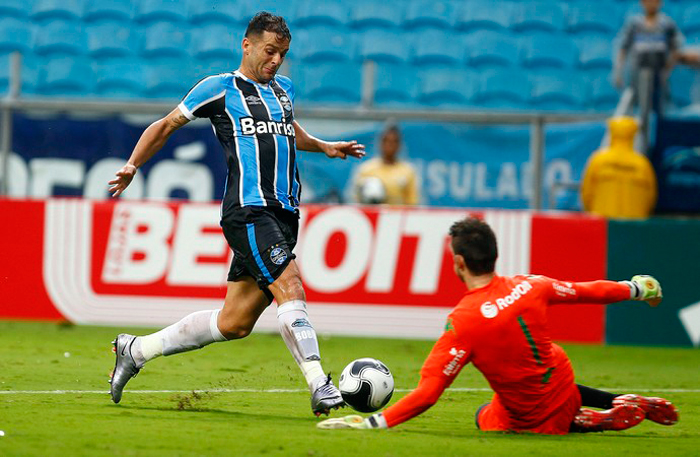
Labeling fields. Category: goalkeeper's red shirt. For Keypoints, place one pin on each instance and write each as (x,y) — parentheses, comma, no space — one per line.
(502,329)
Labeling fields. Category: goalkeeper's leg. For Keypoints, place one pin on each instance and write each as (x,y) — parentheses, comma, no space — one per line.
(657,409)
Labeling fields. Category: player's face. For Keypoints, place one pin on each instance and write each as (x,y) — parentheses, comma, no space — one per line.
(651,6)
(390,145)
(263,55)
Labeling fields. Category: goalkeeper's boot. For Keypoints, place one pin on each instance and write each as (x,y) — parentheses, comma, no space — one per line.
(326,397)
(657,409)
(618,418)
(124,368)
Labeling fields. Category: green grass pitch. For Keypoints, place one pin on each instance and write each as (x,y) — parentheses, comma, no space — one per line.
(254,421)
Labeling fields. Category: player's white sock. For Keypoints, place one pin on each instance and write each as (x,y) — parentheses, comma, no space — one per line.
(300,338)
(193,331)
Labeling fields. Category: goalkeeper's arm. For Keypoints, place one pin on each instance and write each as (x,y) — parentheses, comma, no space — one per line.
(640,287)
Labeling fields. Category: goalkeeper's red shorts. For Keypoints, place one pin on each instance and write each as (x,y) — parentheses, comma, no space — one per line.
(494,417)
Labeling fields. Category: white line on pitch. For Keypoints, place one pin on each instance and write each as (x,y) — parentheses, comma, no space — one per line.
(275,391)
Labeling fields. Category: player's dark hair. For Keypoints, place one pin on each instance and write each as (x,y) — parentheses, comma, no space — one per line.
(474,240)
(392,128)
(268,22)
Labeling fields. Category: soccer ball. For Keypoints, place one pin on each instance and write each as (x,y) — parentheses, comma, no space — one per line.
(366,385)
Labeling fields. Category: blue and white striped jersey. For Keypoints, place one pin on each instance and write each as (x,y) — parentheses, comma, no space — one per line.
(253,123)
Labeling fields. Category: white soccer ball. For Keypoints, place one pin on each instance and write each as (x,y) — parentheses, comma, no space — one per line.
(372,191)
(366,385)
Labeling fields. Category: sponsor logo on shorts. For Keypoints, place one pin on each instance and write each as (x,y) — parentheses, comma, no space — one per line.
(301,323)
(278,256)
(453,367)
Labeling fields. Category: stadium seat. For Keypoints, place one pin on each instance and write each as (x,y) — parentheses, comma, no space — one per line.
(595,52)
(539,15)
(312,13)
(691,19)
(14,8)
(328,83)
(15,35)
(60,37)
(206,67)
(214,11)
(437,47)
(448,88)
(71,10)
(161,10)
(67,76)
(323,44)
(681,84)
(603,96)
(434,14)
(489,48)
(383,46)
(549,50)
(29,75)
(122,78)
(165,39)
(592,17)
(116,10)
(110,39)
(215,41)
(371,13)
(395,85)
(167,78)
(557,91)
(481,14)
(502,89)
(287,9)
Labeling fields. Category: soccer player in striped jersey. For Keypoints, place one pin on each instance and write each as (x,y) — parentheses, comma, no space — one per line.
(501,327)
(252,112)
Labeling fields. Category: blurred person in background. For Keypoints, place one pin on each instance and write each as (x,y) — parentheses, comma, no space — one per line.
(619,181)
(387,179)
(651,40)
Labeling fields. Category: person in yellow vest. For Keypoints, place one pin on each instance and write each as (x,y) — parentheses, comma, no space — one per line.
(618,181)
(386,179)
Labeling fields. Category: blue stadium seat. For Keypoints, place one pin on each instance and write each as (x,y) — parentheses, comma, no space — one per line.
(110,39)
(206,67)
(167,78)
(119,78)
(215,41)
(322,44)
(437,47)
(691,19)
(328,83)
(60,37)
(116,10)
(395,85)
(680,83)
(549,50)
(161,10)
(489,48)
(383,46)
(547,16)
(67,76)
(557,91)
(448,88)
(15,35)
(482,14)
(287,9)
(371,13)
(425,13)
(314,13)
(29,73)
(503,89)
(591,17)
(14,8)
(595,52)
(57,9)
(602,95)
(216,11)
(165,39)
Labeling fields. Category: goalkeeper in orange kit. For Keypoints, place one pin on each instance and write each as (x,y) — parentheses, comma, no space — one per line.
(501,327)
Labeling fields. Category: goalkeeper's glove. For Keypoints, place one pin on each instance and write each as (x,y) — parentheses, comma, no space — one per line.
(645,288)
(354,421)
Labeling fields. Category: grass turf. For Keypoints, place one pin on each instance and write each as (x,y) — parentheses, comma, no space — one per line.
(48,357)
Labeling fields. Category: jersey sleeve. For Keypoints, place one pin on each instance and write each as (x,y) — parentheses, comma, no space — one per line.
(447,358)
(205,99)
(602,292)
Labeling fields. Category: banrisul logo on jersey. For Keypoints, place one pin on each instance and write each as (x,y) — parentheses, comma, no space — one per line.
(250,126)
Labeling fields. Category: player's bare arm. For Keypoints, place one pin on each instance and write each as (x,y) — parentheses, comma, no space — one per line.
(151,141)
(332,149)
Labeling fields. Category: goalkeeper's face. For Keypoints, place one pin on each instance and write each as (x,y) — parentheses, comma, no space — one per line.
(263,54)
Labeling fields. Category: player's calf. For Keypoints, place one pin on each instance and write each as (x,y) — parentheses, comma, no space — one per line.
(657,409)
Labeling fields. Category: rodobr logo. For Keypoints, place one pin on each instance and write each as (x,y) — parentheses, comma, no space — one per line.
(489,310)
(250,126)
